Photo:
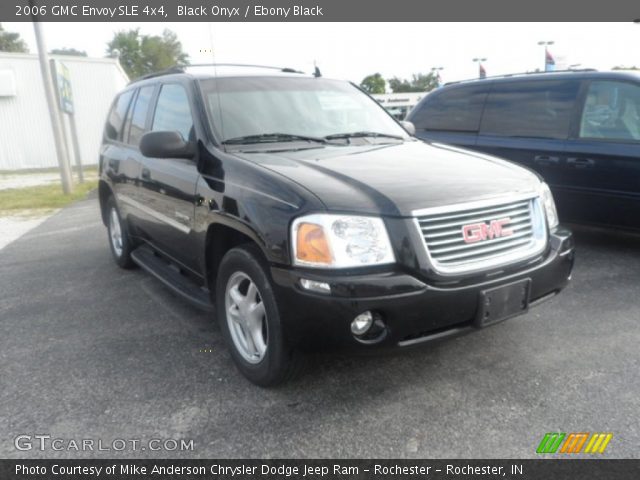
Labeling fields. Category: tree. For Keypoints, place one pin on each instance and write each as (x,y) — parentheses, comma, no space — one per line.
(419,82)
(143,54)
(72,52)
(11,42)
(374,83)
(622,67)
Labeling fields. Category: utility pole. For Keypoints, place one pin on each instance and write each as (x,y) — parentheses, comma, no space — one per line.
(436,71)
(45,69)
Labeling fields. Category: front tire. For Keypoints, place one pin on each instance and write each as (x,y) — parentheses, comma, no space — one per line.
(119,241)
(250,321)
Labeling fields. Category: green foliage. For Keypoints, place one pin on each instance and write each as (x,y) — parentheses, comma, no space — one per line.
(42,196)
(143,54)
(622,67)
(419,82)
(374,83)
(11,42)
(72,52)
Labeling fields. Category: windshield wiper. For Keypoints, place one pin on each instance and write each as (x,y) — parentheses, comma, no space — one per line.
(338,136)
(271,138)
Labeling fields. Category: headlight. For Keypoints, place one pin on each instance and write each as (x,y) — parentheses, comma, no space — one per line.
(340,241)
(549,205)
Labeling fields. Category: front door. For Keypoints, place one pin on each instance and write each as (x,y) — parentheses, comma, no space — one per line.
(168,184)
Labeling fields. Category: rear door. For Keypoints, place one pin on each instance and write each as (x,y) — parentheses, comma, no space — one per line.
(135,125)
(168,184)
(451,115)
(115,155)
(528,122)
(603,156)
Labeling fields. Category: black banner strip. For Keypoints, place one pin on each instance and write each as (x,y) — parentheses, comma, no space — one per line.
(556,469)
(316,10)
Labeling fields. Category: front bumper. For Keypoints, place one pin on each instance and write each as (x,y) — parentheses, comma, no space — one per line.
(415,310)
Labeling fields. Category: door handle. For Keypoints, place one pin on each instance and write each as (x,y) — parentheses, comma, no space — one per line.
(146,174)
(546,160)
(581,162)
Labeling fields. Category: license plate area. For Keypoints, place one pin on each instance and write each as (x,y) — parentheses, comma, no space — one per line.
(503,302)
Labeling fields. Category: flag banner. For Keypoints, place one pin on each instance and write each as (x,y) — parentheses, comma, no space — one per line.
(549,61)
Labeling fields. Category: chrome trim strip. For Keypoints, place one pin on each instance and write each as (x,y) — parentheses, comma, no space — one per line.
(522,204)
(515,217)
(456,207)
(470,246)
(435,336)
(153,213)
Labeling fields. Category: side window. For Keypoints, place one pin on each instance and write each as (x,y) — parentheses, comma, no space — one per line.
(611,111)
(173,112)
(138,120)
(115,120)
(530,109)
(457,109)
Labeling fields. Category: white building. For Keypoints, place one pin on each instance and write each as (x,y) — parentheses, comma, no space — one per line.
(26,136)
(399,104)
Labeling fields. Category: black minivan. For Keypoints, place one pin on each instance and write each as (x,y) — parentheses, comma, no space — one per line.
(580,130)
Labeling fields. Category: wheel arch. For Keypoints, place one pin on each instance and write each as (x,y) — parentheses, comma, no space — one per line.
(222,237)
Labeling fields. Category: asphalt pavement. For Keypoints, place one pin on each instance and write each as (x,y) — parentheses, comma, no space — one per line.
(89,351)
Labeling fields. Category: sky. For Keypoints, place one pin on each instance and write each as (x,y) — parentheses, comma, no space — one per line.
(353,50)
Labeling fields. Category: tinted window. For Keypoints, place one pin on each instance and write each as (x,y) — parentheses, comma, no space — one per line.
(172,111)
(115,120)
(611,111)
(456,109)
(530,109)
(138,119)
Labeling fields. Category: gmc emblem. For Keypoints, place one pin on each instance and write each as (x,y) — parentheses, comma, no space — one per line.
(477,232)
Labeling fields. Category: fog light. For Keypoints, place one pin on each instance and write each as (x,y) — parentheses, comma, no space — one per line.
(362,323)
(321,287)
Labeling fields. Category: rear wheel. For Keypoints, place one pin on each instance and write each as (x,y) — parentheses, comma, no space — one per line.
(119,241)
(250,321)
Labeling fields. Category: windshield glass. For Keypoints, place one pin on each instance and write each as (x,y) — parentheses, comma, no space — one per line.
(301,107)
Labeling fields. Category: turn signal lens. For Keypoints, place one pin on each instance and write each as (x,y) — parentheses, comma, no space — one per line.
(549,205)
(312,245)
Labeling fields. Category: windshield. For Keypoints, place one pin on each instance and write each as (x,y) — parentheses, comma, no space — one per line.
(254,109)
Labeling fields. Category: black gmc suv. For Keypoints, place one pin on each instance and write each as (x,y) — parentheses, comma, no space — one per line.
(306,214)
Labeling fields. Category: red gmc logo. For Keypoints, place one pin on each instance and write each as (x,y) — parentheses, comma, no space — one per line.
(477,232)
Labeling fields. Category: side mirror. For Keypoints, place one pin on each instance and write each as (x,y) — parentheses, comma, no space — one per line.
(166,145)
(409,127)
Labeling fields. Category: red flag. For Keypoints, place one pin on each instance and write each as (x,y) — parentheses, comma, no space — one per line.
(549,62)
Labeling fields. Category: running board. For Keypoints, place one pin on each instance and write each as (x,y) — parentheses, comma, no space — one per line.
(163,271)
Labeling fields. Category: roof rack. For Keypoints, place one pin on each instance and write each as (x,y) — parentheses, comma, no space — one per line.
(159,73)
(508,75)
(247,65)
(181,69)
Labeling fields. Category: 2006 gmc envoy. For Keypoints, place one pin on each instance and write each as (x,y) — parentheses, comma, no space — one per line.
(306,214)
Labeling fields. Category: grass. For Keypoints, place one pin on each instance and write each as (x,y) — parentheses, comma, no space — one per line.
(30,171)
(41,197)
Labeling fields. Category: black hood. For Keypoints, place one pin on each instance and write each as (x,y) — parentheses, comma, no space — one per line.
(397,179)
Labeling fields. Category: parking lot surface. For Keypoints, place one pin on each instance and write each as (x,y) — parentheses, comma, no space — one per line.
(91,351)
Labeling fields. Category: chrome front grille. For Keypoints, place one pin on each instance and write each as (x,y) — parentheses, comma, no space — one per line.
(482,235)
